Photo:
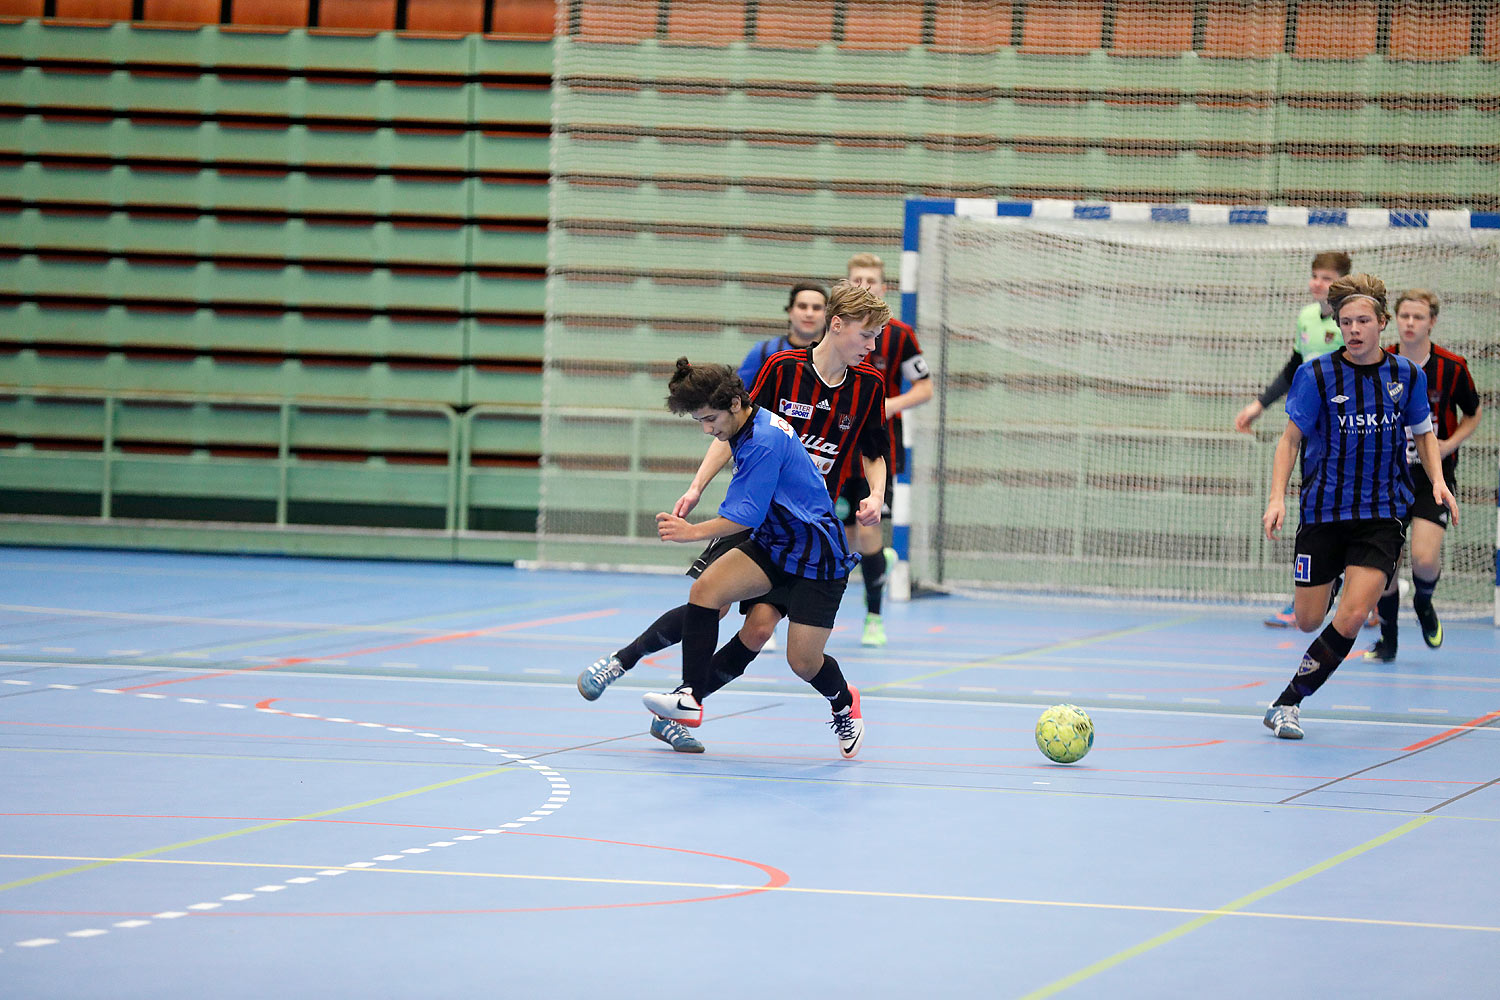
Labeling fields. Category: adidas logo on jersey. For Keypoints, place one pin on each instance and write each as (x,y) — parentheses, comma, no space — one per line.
(823,405)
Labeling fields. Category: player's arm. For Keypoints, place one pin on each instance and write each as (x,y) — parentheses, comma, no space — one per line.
(919,393)
(1281,474)
(746,502)
(716,458)
(870,507)
(1278,388)
(1432,464)
(671,528)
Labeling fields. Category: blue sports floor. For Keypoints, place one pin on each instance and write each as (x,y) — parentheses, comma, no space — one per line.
(250,777)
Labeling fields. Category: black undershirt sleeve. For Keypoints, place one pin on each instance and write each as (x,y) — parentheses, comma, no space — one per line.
(1282,382)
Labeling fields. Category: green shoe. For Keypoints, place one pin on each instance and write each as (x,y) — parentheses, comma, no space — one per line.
(1432,629)
(874,631)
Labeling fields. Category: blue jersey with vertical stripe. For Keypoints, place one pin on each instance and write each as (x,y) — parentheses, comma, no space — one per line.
(780,495)
(1353,420)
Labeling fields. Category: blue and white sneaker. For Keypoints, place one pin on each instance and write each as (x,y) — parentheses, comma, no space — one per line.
(1284,721)
(675,736)
(600,675)
(677,706)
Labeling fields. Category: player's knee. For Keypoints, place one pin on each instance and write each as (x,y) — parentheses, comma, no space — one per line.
(804,666)
(1310,621)
(755,634)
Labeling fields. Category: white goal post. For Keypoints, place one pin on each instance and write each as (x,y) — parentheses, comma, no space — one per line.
(1090,359)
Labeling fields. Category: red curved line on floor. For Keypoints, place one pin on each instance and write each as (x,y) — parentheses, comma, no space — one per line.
(265,702)
(775,878)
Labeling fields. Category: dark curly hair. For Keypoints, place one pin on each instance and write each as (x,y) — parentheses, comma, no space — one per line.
(695,386)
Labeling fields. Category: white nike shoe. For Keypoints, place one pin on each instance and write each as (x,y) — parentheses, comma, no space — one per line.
(679,706)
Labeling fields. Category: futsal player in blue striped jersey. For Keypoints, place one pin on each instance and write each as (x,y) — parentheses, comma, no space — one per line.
(1349,412)
(796,547)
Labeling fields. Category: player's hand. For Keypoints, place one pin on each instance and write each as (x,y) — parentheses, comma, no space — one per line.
(1246,417)
(869,511)
(1445,497)
(685,503)
(1272,519)
(671,528)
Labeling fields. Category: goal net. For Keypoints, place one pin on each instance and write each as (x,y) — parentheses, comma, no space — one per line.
(1089,372)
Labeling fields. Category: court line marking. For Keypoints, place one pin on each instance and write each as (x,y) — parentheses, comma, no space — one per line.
(560,792)
(1004,658)
(508,608)
(291,661)
(1237,908)
(1446,736)
(1483,720)
(1233,908)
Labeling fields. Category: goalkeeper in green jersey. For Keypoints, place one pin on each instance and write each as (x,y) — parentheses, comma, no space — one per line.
(1317,334)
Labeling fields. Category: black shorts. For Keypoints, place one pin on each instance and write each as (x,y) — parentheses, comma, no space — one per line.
(853,493)
(1423,505)
(715,549)
(1323,550)
(804,601)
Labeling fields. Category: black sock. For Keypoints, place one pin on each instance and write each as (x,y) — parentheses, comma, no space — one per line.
(700,634)
(873,568)
(831,684)
(727,665)
(1389,607)
(1421,596)
(665,631)
(1318,664)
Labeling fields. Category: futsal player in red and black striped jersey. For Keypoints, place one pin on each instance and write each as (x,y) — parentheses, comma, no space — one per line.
(1450,392)
(833,403)
(898,358)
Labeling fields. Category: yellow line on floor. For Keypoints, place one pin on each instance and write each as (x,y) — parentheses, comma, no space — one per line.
(148,855)
(1236,908)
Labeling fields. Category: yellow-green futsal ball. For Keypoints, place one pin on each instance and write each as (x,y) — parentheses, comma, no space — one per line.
(1064,733)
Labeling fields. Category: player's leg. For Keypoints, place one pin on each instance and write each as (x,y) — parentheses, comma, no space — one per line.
(1388,608)
(1426,567)
(731,660)
(665,631)
(813,608)
(1369,550)
(733,577)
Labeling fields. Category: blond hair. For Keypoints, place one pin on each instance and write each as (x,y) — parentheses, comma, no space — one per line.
(859,304)
(1358,286)
(1419,295)
(866,260)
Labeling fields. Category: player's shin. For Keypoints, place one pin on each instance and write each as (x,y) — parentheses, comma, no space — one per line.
(700,634)
(830,683)
(1318,664)
(665,631)
(728,664)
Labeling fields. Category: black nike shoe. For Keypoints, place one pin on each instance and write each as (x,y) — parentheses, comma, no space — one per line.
(1432,629)
(1381,652)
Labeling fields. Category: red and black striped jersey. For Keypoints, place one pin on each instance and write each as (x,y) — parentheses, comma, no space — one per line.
(898,356)
(836,424)
(1450,389)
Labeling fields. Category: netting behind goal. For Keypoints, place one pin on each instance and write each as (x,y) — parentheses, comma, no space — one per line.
(1089,374)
